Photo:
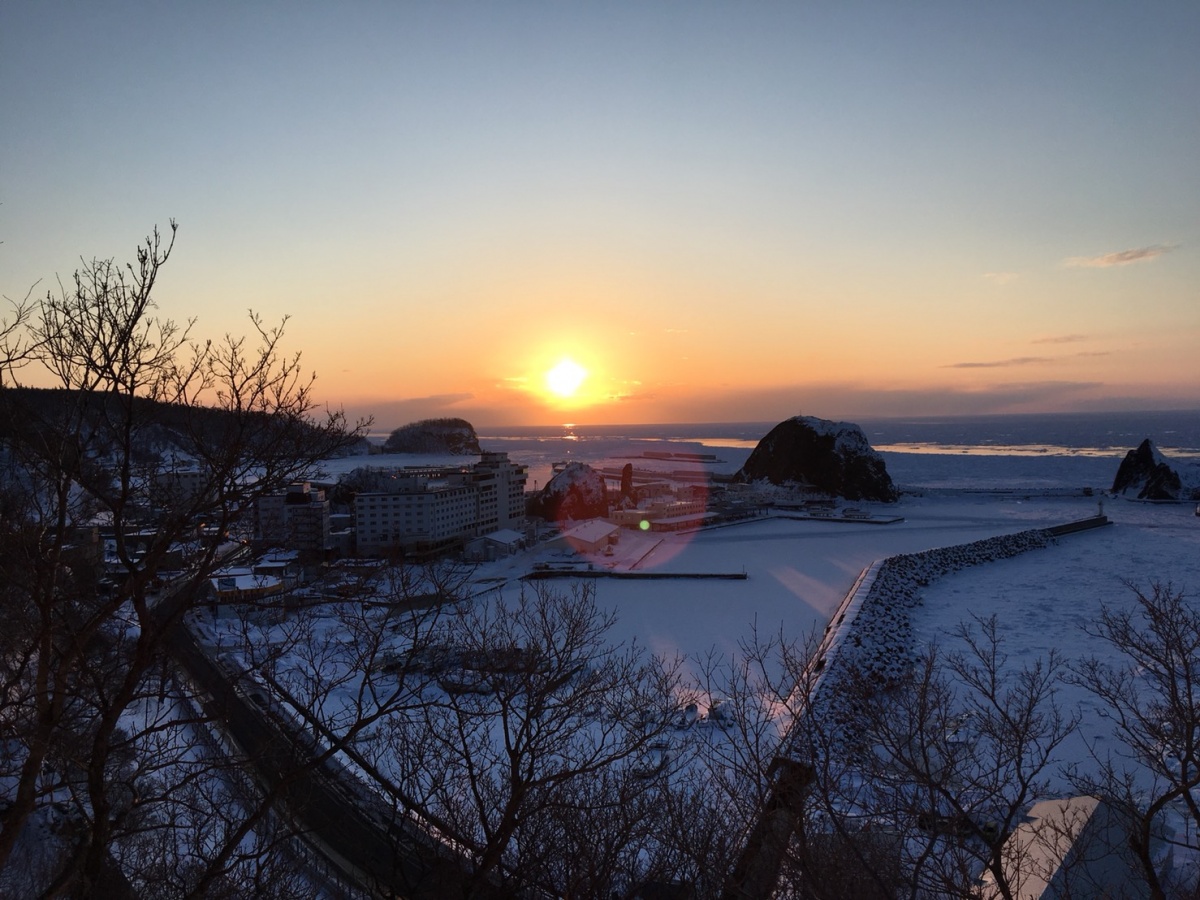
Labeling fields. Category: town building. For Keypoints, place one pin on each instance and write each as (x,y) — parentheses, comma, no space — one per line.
(1073,847)
(664,515)
(298,519)
(501,486)
(174,488)
(588,538)
(432,509)
(493,546)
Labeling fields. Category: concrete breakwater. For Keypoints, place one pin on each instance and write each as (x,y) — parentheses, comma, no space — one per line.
(871,632)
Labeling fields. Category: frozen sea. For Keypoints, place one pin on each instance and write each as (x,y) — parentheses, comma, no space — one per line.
(1044,449)
(962,480)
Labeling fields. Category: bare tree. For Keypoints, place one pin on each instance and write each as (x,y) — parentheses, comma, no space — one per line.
(917,784)
(535,726)
(724,803)
(138,398)
(1151,695)
(17,344)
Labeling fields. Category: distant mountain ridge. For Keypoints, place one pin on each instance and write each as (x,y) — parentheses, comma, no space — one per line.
(163,429)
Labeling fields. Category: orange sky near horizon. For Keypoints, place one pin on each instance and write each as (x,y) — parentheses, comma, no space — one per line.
(971,350)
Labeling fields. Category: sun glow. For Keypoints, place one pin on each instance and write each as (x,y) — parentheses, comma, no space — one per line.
(565,379)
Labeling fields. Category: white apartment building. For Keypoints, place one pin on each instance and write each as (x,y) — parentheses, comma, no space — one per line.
(501,486)
(433,507)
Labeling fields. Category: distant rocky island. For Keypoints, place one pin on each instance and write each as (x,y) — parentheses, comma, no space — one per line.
(1148,475)
(450,436)
(832,458)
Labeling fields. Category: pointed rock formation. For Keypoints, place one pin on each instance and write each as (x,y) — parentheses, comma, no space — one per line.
(1146,474)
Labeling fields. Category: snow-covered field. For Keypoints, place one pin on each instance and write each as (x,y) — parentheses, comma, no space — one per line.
(798,571)
(1047,599)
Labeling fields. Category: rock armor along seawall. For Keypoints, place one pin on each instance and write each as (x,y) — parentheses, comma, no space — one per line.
(454,436)
(831,458)
(1146,474)
(877,646)
(882,634)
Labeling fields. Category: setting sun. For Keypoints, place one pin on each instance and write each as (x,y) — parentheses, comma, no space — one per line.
(565,378)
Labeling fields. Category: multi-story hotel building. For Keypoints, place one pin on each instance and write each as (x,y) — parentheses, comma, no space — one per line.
(427,509)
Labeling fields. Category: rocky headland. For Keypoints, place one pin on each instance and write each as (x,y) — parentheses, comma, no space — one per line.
(1146,474)
(577,492)
(831,458)
(451,436)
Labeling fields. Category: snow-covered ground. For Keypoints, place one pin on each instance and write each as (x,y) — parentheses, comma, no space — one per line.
(1047,599)
(799,571)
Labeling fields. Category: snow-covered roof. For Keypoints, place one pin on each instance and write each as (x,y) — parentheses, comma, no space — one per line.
(244,582)
(684,518)
(1039,846)
(590,531)
(504,536)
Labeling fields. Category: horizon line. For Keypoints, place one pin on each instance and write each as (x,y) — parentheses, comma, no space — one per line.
(924,418)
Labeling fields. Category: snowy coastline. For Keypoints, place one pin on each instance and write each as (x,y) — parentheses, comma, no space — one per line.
(798,572)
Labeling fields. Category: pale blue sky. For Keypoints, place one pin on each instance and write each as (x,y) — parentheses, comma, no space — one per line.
(713,206)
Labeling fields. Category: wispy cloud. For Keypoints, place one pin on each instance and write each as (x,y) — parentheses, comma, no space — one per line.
(436,399)
(1061,339)
(1001,363)
(1119,257)
(1031,360)
(1001,277)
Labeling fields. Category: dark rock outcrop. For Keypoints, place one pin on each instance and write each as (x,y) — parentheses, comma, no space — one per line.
(577,492)
(453,436)
(1145,473)
(829,457)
